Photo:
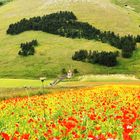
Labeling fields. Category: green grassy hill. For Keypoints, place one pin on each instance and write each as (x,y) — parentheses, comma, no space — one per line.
(129,4)
(54,52)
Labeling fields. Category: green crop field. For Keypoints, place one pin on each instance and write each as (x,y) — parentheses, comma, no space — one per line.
(21,83)
(54,52)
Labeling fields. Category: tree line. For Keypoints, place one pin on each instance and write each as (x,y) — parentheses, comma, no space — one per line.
(28,48)
(47,23)
(108,59)
(64,23)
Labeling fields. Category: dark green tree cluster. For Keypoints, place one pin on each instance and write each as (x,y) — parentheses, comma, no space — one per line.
(65,24)
(108,59)
(28,48)
(80,55)
(48,23)
(128,45)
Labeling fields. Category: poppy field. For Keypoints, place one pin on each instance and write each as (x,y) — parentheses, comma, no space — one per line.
(110,112)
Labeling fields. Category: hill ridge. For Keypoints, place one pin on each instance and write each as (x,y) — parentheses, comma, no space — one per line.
(52,46)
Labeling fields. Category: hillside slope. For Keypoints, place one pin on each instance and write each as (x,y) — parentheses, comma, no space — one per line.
(129,4)
(54,52)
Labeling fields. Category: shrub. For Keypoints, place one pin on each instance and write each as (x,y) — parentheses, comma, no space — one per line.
(75,71)
(63,71)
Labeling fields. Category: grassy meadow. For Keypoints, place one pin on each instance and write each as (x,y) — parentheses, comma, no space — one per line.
(129,4)
(54,52)
(21,83)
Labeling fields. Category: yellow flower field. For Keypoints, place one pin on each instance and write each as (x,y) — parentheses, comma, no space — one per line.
(100,113)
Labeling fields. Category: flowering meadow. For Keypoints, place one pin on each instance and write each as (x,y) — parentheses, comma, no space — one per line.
(100,113)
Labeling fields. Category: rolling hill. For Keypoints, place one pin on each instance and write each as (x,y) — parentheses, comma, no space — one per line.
(129,4)
(54,52)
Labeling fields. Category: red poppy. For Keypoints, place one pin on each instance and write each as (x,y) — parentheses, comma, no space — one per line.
(14,138)
(5,136)
(128,128)
(25,137)
(30,120)
(126,136)
(92,137)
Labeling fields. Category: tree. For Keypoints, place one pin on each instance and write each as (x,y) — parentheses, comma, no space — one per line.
(64,23)
(80,55)
(138,38)
(28,48)
(127,51)
(75,71)
(108,59)
(63,71)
